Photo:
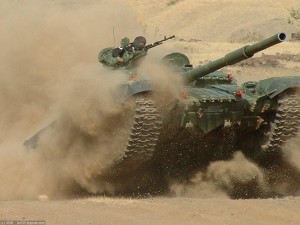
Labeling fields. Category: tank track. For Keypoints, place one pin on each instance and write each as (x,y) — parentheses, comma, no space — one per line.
(143,137)
(286,123)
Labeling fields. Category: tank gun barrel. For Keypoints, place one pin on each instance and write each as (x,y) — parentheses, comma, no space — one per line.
(233,57)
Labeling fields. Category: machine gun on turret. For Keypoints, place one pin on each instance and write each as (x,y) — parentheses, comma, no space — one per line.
(158,42)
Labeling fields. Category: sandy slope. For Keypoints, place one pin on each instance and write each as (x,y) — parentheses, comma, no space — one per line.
(215,23)
(216,20)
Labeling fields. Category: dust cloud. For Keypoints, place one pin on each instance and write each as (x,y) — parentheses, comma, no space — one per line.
(41,43)
(235,178)
(292,152)
(167,83)
(50,78)
(241,178)
(49,72)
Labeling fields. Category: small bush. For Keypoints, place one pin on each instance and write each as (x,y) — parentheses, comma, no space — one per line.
(173,2)
(294,17)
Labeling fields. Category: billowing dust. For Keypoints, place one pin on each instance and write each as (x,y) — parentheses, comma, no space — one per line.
(292,153)
(241,178)
(50,77)
(234,178)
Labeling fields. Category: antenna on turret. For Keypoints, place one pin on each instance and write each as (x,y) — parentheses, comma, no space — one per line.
(114,37)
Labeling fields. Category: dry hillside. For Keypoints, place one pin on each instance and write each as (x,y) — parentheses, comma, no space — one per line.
(215,20)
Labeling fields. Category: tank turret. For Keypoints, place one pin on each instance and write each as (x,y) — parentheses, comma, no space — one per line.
(233,57)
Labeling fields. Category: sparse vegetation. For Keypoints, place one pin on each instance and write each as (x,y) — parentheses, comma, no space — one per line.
(173,2)
(294,17)
(295,20)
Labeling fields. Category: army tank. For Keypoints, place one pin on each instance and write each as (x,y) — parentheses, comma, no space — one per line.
(213,118)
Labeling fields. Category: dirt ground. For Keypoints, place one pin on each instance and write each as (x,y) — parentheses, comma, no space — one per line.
(49,67)
(175,211)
